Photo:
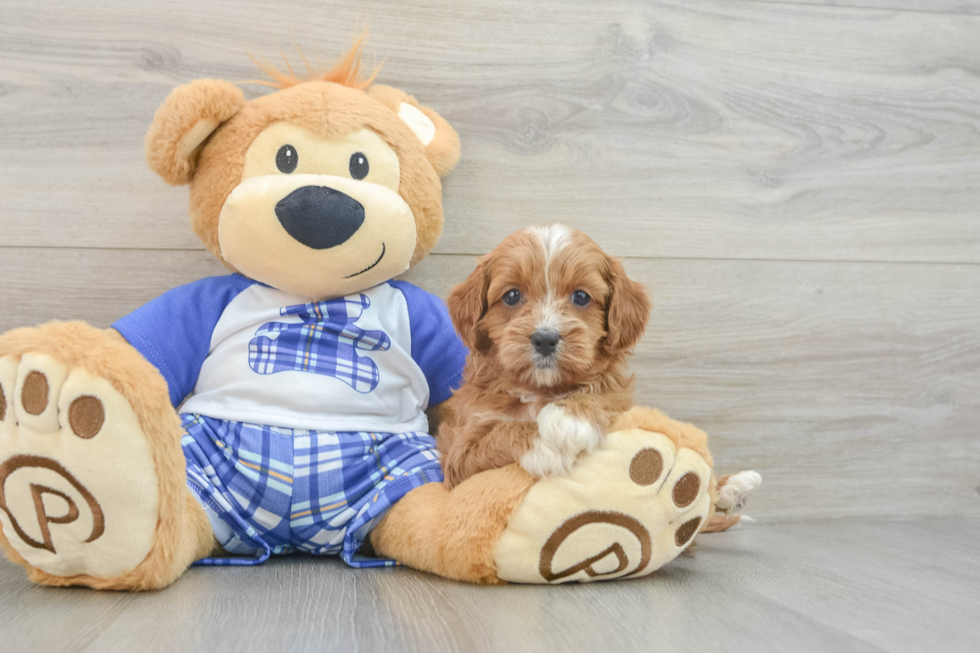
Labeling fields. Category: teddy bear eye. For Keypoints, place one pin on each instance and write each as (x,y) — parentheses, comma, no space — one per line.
(358,165)
(511,297)
(581,298)
(287,159)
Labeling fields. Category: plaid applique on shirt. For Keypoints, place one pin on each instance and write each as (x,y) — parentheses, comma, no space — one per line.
(278,490)
(325,342)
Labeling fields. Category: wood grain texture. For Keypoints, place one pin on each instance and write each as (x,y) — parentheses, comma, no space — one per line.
(717,130)
(853,388)
(825,586)
(971,7)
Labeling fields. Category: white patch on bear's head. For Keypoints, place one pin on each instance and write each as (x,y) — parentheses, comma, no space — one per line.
(418,122)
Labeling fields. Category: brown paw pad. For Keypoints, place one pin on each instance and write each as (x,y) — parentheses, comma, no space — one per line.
(646,467)
(686,531)
(34,394)
(686,490)
(85,416)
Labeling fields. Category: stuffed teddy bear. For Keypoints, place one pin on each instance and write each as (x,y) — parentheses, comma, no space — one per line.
(283,407)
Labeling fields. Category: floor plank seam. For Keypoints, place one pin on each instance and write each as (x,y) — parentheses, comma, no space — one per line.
(894,10)
(627,257)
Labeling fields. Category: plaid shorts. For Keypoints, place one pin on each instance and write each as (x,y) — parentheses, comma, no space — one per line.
(275,490)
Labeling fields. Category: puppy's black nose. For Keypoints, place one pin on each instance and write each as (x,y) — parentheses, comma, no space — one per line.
(545,342)
(320,217)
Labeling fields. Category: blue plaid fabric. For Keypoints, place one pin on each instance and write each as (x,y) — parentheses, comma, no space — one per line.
(274,490)
(323,343)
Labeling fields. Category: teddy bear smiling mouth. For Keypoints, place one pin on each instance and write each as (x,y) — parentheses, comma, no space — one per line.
(370,267)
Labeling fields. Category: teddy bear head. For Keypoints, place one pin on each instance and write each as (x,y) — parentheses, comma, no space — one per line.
(325,187)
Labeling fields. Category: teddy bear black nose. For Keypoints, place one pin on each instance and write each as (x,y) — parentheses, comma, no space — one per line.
(320,217)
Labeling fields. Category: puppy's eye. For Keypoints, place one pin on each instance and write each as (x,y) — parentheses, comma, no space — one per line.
(358,165)
(511,297)
(287,159)
(581,298)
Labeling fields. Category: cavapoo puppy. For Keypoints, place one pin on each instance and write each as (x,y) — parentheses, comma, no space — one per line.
(549,319)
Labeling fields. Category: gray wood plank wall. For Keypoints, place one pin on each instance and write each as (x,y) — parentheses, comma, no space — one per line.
(798,183)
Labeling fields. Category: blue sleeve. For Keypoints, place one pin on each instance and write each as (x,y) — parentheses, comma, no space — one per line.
(435,346)
(174,330)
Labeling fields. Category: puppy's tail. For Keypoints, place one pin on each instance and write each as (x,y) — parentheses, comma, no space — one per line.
(733,491)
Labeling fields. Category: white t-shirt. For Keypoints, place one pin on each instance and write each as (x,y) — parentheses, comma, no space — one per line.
(245,352)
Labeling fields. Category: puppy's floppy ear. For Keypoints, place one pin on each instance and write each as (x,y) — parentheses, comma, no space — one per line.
(184,121)
(468,303)
(441,142)
(627,309)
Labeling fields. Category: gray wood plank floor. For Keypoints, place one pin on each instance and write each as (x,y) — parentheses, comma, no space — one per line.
(818,586)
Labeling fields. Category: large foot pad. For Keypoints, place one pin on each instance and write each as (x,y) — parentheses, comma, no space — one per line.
(78,486)
(625,510)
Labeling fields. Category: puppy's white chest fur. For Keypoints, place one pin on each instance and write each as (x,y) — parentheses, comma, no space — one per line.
(561,438)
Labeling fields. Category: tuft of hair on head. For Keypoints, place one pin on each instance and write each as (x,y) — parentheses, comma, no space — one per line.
(346,71)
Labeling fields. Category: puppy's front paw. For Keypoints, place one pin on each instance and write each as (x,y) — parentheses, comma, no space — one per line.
(544,460)
(561,438)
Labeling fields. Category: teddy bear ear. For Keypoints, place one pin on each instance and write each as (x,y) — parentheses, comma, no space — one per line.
(184,121)
(440,141)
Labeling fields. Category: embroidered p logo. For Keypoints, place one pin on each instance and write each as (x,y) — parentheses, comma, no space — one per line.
(38,491)
(324,342)
(611,560)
